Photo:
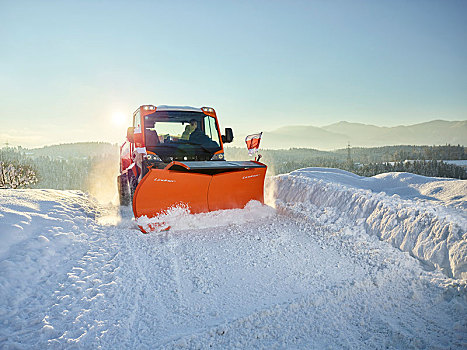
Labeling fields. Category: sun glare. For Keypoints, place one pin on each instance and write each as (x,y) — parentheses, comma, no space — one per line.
(119,119)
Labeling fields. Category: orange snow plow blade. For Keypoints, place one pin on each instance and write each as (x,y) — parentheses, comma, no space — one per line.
(201,186)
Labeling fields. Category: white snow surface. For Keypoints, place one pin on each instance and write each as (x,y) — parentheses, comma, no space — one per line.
(312,273)
(462,163)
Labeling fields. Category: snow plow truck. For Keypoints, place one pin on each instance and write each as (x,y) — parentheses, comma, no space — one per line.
(175,156)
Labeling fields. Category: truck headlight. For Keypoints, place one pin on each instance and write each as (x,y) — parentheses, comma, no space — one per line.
(218,156)
(153,158)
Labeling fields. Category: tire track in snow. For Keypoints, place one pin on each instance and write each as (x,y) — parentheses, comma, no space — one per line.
(85,298)
(151,287)
(132,330)
(179,289)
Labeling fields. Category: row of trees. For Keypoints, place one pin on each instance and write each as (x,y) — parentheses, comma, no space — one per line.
(361,155)
(284,161)
(18,168)
(401,153)
(72,170)
(433,168)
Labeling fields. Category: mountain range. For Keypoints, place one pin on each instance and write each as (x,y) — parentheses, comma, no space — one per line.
(338,135)
(330,137)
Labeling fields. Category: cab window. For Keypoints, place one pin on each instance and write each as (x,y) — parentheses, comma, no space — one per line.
(137,119)
(210,129)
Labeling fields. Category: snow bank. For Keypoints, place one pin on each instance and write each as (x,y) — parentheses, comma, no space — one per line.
(420,215)
(44,215)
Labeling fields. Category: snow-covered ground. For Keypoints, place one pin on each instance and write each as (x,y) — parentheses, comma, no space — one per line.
(424,216)
(462,163)
(312,273)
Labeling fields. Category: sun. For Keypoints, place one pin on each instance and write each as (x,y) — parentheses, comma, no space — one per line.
(119,119)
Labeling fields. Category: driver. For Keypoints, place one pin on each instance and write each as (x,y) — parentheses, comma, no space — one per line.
(186,134)
(198,136)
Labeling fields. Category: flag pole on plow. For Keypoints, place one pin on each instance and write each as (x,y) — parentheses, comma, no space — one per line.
(252,143)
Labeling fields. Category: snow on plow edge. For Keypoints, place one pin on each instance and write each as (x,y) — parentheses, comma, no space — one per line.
(433,233)
(179,218)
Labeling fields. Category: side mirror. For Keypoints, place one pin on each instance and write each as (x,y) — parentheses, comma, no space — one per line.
(228,137)
(130,134)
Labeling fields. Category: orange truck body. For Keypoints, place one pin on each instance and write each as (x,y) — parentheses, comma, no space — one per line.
(195,176)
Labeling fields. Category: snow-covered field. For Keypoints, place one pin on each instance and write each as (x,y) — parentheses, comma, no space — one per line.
(340,262)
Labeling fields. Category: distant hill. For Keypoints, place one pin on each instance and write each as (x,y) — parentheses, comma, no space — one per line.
(330,137)
(75,150)
(302,136)
(334,136)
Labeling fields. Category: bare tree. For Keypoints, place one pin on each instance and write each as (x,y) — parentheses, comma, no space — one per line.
(16,175)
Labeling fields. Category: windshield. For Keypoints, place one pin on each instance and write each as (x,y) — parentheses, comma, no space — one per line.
(181,135)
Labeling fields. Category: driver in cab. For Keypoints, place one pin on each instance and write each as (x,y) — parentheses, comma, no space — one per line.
(198,136)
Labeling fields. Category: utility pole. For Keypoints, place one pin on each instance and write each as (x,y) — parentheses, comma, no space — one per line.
(350,164)
(2,171)
(349,158)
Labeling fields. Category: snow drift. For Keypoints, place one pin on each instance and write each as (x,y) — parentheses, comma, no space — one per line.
(420,215)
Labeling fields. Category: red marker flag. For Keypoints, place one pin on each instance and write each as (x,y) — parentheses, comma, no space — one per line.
(252,143)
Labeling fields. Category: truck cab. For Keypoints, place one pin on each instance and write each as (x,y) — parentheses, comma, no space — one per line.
(163,134)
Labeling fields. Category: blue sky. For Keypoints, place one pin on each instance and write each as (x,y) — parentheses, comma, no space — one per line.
(68,67)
